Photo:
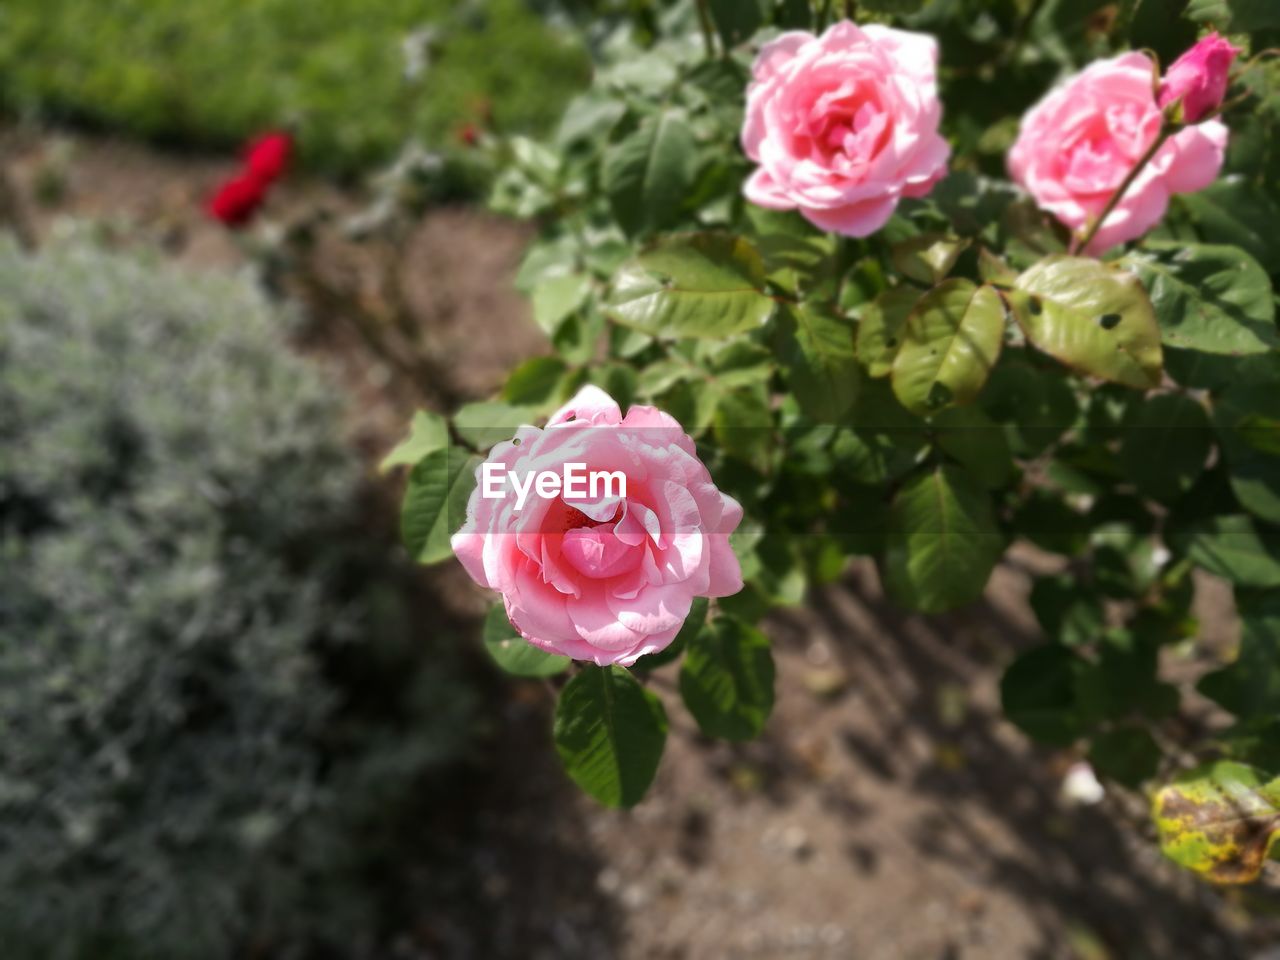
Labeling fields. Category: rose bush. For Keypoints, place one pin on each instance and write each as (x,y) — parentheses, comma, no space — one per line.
(938,370)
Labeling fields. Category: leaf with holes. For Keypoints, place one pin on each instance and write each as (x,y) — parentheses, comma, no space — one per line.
(1092,317)
(513,653)
(609,732)
(950,342)
(694,285)
(726,679)
(880,329)
(1208,297)
(1220,820)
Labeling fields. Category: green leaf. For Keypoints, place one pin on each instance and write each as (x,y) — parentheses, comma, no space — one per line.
(609,732)
(694,285)
(648,175)
(1242,16)
(1247,419)
(427,432)
(1127,754)
(942,541)
(743,425)
(950,342)
(556,297)
(1231,547)
(1207,297)
(1220,820)
(513,653)
(435,503)
(536,383)
(1092,317)
(977,442)
(693,625)
(880,329)
(737,20)
(822,370)
(1037,693)
(1166,443)
(484,424)
(726,679)
(1250,686)
(928,257)
(1238,212)
(1039,404)
(1067,612)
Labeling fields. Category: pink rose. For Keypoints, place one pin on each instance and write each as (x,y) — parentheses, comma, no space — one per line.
(1078,143)
(600,575)
(1199,78)
(844,125)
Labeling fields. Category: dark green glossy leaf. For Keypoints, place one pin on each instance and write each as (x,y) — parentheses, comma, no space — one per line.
(648,174)
(726,679)
(822,371)
(942,541)
(1208,297)
(609,732)
(1166,443)
(435,503)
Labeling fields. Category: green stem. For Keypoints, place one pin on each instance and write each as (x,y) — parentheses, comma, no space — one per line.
(1081,242)
(708,28)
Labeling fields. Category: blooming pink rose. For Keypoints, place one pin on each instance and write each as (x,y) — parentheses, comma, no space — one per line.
(1199,78)
(1078,143)
(603,577)
(844,125)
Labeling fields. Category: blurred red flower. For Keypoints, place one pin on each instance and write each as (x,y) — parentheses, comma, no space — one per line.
(237,200)
(265,160)
(268,156)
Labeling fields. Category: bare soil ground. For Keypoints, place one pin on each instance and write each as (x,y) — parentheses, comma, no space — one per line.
(887,813)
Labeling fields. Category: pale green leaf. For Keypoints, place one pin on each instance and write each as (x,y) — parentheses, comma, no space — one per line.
(1093,317)
(695,285)
(950,342)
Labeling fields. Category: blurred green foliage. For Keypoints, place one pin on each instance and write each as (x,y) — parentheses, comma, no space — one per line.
(212,710)
(356,77)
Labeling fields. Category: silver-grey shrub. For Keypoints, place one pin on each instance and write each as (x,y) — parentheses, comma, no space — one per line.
(175,537)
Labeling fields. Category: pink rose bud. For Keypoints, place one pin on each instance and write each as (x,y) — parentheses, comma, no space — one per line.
(599,530)
(1076,146)
(844,125)
(1199,78)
